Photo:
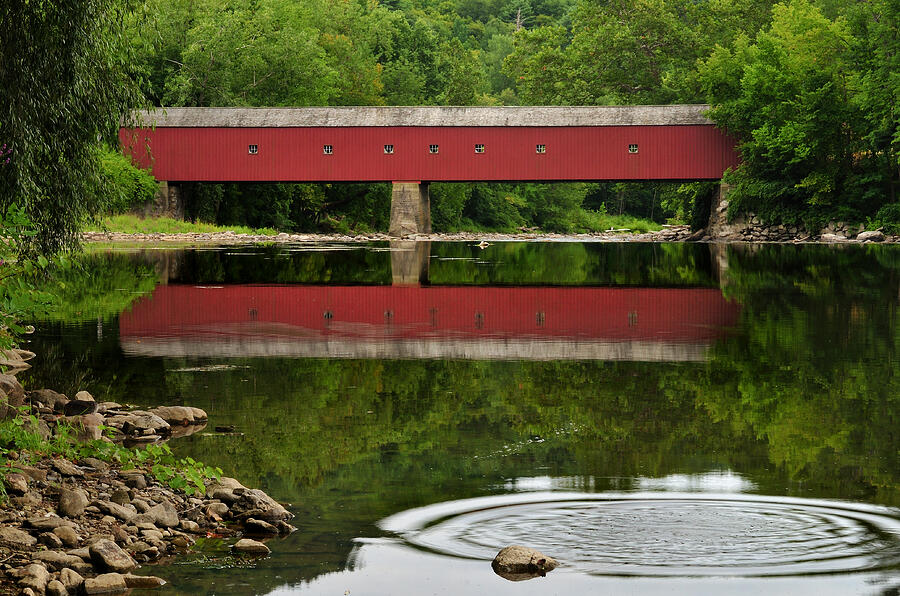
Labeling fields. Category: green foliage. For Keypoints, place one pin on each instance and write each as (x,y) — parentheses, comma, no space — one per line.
(888,218)
(132,224)
(20,299)
(65,81)
(127,186)
(792,97)
(21,435)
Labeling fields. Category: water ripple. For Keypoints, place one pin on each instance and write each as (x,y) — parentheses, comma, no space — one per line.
(664,534)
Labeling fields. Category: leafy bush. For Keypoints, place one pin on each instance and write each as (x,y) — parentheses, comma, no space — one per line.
(125,185)
(888,218)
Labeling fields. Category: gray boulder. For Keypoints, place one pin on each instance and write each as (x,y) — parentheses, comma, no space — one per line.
(107,556)
(517,563)
(108,583)
(247,546)
(72,502)
(873,236)
(16,539)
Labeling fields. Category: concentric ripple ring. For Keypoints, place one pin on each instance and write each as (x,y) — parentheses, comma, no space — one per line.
(664,534)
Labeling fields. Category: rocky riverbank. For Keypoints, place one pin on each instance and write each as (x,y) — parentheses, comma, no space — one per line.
(84,525)
(744,230)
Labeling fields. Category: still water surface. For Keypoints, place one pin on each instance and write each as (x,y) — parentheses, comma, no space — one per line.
(662,418)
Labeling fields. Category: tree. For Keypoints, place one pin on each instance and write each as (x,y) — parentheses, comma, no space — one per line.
(65,82)
(788,98)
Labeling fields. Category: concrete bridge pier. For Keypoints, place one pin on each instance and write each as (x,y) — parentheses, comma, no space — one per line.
(410,209)
(167,202)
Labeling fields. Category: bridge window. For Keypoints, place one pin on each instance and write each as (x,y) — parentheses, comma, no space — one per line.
(388,149)
(633,148)
(540,148)
(432,148)
(479,148)
(327,149)
(253,149)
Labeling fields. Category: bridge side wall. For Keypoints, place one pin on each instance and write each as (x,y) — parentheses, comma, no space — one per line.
(357,154)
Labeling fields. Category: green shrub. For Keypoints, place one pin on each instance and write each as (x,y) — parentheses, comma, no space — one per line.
(888,218)
(124,185)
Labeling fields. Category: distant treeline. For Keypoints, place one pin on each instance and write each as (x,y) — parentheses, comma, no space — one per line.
(809,88)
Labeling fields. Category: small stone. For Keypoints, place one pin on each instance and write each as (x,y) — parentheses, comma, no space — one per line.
(258,526)
(50,540)
(135,480)
(120,496)
(108,583)
(16,539)
(178,415)
(79,407)
(163,515)
(56,588)
(108,556)
(143,582)
(250,547)
(873,236)
(53,400)
(66,468)
(126,514)
(256,503)
(84,396)
(67,535)
(189,526)
(35,576)
(71,580)
(96,464)
(16,483)
(517,563)
(57,560)
(47,522)
(27,501)
(72,502)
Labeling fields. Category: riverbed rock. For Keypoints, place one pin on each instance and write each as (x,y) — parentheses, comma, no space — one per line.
(12,396)
(126,514)
(79,407)
(50,540)
(872,236)
(250,547)
(71,579)
(108,556)
(255,503)
(517,563)
(47,523)
(56,588)
(107,583)
(175,415)
(833,238)
(57,560)
(258,526)
(72,502)
(67,468)
(16,539)
(67,536)
(163,515)
(143,582)
(139,424)
(16,484)
(35,577)
(49,398)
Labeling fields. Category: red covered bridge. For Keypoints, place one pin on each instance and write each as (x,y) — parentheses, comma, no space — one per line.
(532,323)
(411,146)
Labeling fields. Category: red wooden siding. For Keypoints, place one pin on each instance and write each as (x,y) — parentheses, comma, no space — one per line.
(670,315)
(295,154)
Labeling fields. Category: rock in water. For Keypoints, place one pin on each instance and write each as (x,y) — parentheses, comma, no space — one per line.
(517,563)
(250,547)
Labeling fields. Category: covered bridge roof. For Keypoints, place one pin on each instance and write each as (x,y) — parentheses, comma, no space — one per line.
(525,116)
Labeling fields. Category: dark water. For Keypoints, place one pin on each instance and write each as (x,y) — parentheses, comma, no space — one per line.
(663,419)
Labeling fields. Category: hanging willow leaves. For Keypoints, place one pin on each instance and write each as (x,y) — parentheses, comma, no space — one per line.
(65,83)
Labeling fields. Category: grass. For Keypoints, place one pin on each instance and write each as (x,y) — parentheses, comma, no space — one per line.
(132,224)
(599,221)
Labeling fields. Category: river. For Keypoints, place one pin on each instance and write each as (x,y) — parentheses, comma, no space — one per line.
(661,418)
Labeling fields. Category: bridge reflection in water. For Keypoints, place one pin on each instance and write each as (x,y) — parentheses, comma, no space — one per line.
(415,321)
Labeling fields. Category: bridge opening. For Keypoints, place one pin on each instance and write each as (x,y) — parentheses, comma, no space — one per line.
(502,207)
